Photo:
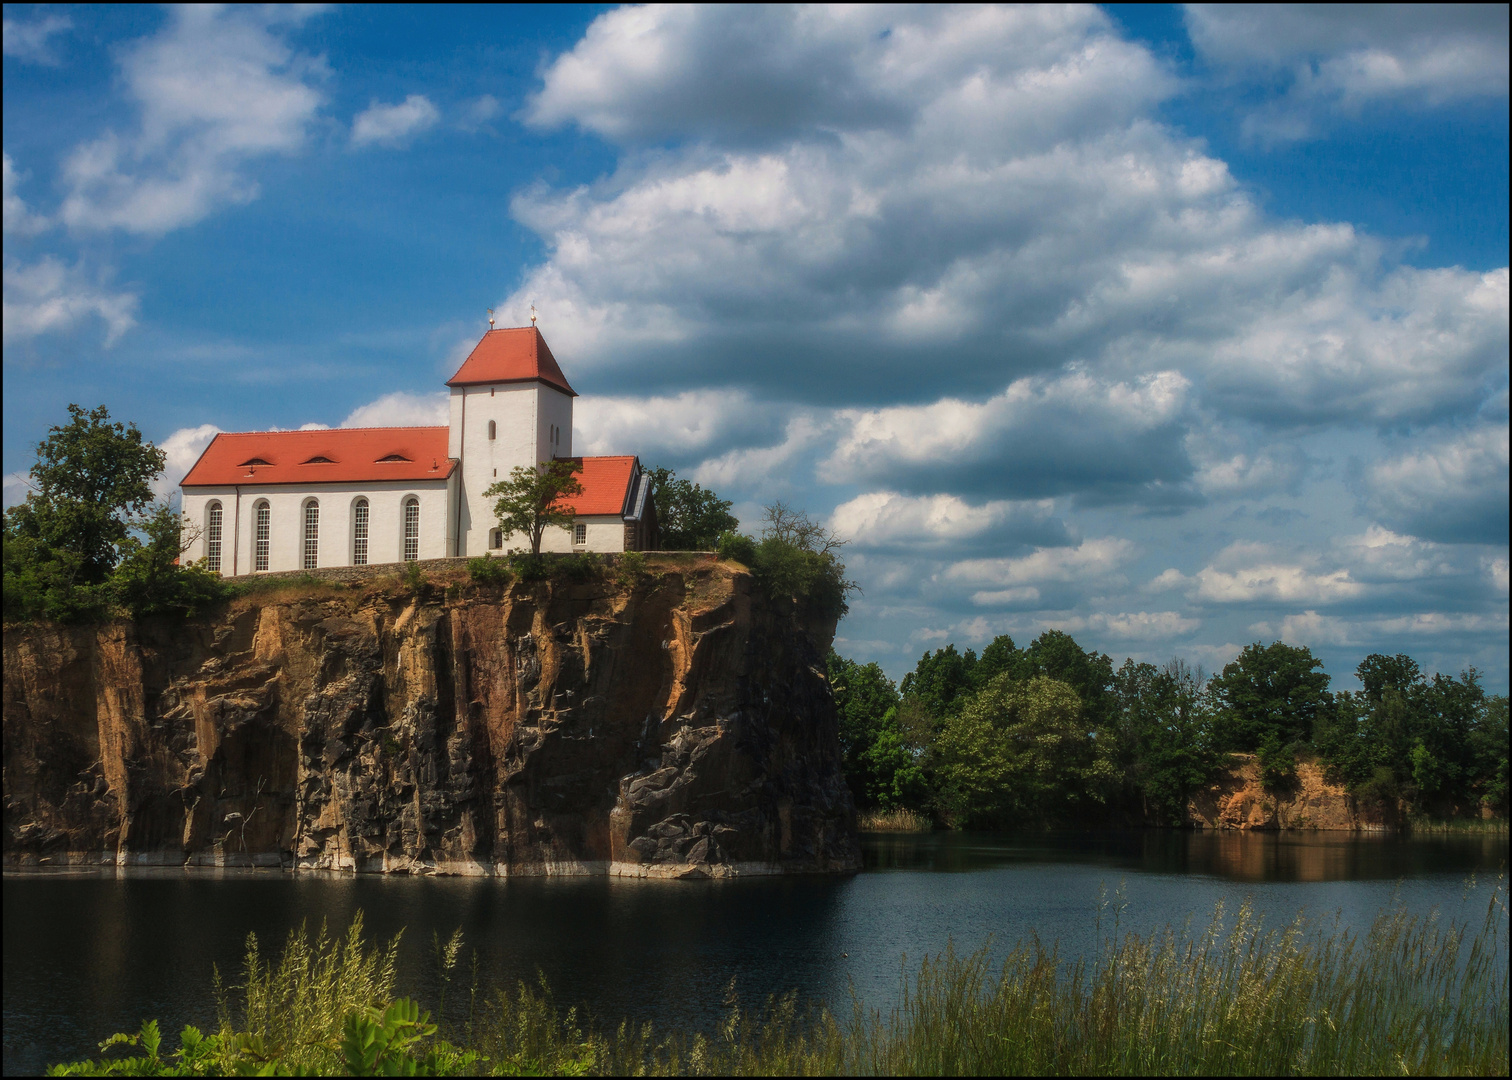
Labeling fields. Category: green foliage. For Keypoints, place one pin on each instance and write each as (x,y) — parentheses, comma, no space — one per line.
(1020,753)
(483,570)
(689,517)
(1270,690)
(89,540)
(1278,764)
(530,500)
(883,767)
(796,560)
(1163,734)
(90,479)
(413,577)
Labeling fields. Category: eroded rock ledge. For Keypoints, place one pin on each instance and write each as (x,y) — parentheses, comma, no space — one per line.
(679,726)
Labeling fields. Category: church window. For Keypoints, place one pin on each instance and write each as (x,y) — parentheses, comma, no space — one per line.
(262,515)
(411,529)
(496,540)
(213,537)
(360,533)
(579,533)
(311,535)
(493,431)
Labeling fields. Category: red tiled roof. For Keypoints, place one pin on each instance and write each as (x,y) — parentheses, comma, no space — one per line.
(514,355)
(353,455)
(606,484)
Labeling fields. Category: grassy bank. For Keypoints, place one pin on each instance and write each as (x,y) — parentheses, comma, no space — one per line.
(892,821)
(1458,826)
(1233,999)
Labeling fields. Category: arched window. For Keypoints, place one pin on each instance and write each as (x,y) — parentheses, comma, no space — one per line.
(493,430)
(359,532)
(311,535)
(213,537)
(263,518)
(411,529)
(496,540)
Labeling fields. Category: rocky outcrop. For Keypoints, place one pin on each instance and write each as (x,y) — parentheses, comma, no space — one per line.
(1237,799)
(676,724)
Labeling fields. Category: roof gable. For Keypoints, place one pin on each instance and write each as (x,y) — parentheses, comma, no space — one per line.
(322,456)
(518,354)
(606,484)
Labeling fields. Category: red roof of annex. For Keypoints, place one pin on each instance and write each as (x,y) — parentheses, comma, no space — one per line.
(519,354)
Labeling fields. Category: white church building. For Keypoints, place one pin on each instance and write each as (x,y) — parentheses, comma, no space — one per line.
(291,500)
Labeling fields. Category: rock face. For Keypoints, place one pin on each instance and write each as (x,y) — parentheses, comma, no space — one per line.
(1237,799)
(675,725)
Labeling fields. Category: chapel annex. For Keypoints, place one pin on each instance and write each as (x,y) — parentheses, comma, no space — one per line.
(291,500)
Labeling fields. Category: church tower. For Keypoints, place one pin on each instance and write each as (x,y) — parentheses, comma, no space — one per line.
(510,406)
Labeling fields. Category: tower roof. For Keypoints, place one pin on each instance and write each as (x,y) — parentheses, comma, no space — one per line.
(518,354)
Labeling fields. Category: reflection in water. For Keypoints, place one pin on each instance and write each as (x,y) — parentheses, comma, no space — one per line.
(1227,854)
(91,952)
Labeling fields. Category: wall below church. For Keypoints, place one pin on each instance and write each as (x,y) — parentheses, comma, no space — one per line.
(286,524)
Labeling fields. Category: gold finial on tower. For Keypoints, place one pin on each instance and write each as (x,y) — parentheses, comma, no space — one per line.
(490,319)
(532,314)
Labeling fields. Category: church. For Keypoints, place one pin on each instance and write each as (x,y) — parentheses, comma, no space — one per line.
(291,500)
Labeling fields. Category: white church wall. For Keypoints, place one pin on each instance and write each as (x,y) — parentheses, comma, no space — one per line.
(337,504)
(523,417)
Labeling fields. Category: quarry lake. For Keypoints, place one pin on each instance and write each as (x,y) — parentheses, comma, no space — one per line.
(89,951)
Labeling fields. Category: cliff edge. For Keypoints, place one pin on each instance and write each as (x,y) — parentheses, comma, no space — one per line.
(677,724)
(1237,798)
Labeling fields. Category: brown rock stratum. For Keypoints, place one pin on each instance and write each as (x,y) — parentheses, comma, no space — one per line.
(677,726)
(1237,799)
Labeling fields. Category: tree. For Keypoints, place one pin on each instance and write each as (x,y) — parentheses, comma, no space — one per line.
(1021,752)
(796,559)
(529,500)
(1163,734)
(690,518)
(1271,690)
(149,580)
(942,680)
(90,479)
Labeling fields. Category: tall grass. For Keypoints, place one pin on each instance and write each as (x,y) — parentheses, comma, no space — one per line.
(892,821)
(1413,994)
(1459,826)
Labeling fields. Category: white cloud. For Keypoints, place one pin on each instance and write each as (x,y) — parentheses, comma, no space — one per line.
(19,220)
(1399,631)
(681,426)
(393,124)
(17,484)
(1247,572)
(766,472)
(1090,560)
(47,297)
(1453,491)
(182,449)
(401,410)
(216,88)
(1336,58)
(29,41)
(884,518)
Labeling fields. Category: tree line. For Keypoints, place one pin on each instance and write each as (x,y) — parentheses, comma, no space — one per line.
(1053,734)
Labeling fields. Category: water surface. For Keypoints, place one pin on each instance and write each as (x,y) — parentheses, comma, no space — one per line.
(95,951)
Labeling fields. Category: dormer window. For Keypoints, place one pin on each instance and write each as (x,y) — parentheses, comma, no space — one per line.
(319,459)
(391,458)
(251,462)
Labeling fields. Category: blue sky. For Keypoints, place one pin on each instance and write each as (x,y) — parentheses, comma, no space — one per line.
(1173,327)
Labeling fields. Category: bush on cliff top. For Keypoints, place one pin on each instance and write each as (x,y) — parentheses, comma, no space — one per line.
(795,559)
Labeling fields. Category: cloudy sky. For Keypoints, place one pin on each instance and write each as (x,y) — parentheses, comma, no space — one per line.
(1175,328)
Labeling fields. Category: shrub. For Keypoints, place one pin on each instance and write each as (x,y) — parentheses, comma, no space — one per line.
(1278,763)
(736,547)
(414,578)
(580,566)
(485,571)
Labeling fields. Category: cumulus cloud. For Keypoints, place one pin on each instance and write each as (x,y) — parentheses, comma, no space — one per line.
(1039,437)
(1018,581)
(676,428)
(31,41)
(1453,491)
(19,219)
(48,296)
(182,449)
(1338,57)
(1397,632)
(881,519)
(401,410)
(216,88)
(17,484)
(1246,572)
(391,125)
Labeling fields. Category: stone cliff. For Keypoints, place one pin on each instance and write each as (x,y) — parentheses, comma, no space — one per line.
(1237,799)
(676,724)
